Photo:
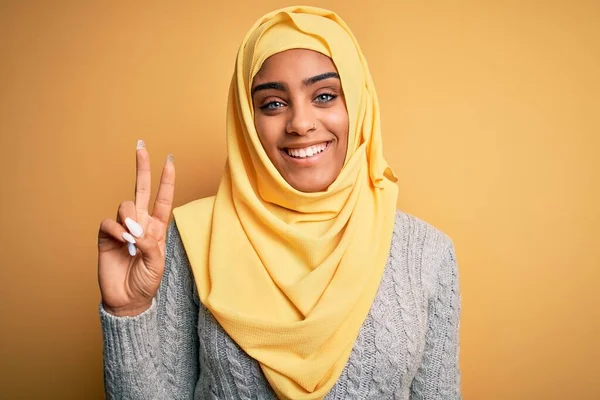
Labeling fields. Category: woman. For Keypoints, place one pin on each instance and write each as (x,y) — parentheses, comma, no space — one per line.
(299,279)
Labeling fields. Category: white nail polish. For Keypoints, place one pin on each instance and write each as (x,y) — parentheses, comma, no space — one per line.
(135,228)
(132,249)
(140,144)
(128,237)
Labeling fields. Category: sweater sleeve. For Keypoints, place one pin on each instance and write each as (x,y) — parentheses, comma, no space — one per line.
(438,376)
(154,355)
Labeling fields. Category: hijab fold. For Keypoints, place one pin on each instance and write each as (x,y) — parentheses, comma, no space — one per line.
(291,276)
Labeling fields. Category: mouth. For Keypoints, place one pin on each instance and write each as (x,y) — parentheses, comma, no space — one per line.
(308,152)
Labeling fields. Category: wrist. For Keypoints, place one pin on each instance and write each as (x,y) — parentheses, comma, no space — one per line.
(131,310)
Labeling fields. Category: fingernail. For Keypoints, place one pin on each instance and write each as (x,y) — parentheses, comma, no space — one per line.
(140,144)
(170,158)
(128,237)
(135,228)
(131,248)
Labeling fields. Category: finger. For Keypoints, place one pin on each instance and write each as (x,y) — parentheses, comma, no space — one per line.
(151,254)
(142,179)
(131,249)
(127,217)
(132,229)
(166,189)
(112,231)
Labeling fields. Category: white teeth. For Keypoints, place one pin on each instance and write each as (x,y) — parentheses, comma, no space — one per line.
(308,151)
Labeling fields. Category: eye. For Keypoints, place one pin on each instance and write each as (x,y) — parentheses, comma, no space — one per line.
(325,97)
(273,105)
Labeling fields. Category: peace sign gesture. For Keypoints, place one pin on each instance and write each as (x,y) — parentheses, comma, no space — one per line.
(131,250)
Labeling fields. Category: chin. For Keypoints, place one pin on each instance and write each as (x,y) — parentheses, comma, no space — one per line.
(310,184)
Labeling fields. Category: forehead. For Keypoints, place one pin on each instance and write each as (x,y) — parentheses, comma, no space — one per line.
(294,65)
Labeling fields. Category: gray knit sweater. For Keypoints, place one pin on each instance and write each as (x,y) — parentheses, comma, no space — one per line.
(407,347)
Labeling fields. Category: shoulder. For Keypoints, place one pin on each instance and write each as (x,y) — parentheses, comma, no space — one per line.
(428,251)
(189,230)
(420,233)
(193,215)
(199,208)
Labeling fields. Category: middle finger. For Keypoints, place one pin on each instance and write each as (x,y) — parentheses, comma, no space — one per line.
(142,179)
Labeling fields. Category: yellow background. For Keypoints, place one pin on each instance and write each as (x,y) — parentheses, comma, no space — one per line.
(491,117)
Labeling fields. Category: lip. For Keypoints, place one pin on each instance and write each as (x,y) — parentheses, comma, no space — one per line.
(308,161)
(307,144)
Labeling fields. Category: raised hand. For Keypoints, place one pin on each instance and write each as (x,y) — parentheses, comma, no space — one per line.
(131,249)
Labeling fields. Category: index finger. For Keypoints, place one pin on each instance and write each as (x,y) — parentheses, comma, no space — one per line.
(142,178)
(164,197)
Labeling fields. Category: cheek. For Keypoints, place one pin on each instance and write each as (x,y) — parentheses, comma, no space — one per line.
(337,123)
(267,132)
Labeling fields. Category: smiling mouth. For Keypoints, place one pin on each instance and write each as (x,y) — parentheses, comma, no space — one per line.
(307,152)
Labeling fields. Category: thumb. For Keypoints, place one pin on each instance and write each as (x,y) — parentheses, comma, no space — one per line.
(151,254)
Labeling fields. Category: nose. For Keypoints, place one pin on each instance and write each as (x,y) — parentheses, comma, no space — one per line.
(301,121)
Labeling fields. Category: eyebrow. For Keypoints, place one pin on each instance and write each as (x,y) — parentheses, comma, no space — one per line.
(315,79)
(306,82)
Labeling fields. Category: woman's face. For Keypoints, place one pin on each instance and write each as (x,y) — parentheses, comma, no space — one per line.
(301,119)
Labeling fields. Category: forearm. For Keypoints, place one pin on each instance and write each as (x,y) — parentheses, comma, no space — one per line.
(132,357)
(154,355)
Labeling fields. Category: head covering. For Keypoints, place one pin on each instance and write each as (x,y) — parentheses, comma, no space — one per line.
(289,275)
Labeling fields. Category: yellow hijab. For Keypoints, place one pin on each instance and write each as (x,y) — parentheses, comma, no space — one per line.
(290,276)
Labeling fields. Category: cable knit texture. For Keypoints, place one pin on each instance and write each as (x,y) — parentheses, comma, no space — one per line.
(407,347)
